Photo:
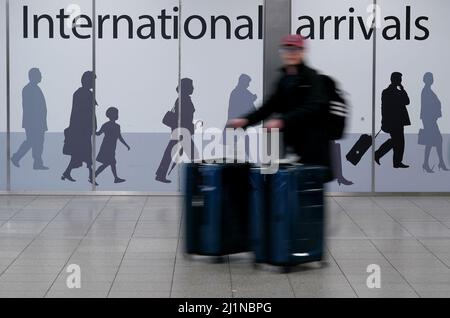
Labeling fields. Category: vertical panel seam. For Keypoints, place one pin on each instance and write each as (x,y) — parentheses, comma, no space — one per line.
(180,34)
(8,101)
(374,77)
(94,108)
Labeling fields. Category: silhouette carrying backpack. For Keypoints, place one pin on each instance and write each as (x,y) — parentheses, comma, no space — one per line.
(338,108)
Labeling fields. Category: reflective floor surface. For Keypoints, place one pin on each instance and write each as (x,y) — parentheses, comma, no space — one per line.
(133,247)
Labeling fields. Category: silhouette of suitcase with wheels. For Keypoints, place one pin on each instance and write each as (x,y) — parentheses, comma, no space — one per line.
(360,149)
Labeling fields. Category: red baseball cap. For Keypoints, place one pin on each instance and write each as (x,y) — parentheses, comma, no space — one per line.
(295,40)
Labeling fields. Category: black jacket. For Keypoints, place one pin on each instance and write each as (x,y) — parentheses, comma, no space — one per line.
(394,113)
(301,103)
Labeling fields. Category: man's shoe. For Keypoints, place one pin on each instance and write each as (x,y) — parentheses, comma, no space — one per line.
(377,160)
(401,166)
(162,179)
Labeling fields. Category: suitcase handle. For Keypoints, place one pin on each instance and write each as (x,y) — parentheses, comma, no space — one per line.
(377,134)
(200,203)
(312,190)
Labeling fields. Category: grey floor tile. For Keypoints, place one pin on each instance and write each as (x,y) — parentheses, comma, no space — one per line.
(441,214)
(367,256)
(387,290)
(435,294)
(24,286)
(148,262)
(210,282)
(22,294)
(430,202)
(394,202)
(153,286)
(61,285)
(317,285)
(269,293)
(387,294)
(324,293)
(361,231)
(399,245)
(201,293)
(344,231)
(424,287)
(30,269)
(25,278)
(146,270)
(384,230)
(437,245)
(77,293)
(159,277)
(432,265)
(392,277)
(139,294)
(40,262)
(427,229)
(153,245)
(424,276)
(408,256)
(406,214)
(261,282)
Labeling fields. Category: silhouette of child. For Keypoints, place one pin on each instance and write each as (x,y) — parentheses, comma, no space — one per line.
(107,153)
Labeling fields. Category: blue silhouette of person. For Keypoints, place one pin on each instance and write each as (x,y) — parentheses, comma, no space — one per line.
(431,111)
(242,102)
(107,153)
(34,121)
(78,136)
(183,110)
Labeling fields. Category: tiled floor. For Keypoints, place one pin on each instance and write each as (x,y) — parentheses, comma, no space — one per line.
(130,247)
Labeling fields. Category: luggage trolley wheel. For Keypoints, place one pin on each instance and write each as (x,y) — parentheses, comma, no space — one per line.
(256,265)
(286,269)
(323,264)
(218,260)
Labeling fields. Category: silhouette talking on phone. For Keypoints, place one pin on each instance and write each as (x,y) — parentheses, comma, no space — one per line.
(394,119)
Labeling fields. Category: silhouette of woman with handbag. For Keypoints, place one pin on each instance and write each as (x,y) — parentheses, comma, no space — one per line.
(181,116)
(78,136)
(430,136)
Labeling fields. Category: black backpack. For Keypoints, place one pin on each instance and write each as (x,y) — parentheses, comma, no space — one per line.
(338,109)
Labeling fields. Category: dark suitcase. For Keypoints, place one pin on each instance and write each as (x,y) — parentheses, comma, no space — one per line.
(359,149)
(216,208)
(287,215)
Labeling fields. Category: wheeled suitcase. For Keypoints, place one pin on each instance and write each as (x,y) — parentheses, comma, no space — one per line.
(216,205)
(359,149)
(287,215)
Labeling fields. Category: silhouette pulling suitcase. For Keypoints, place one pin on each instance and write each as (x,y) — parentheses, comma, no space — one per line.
(360,149)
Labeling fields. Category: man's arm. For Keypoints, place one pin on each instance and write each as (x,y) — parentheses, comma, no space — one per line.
(265,110)
(405,97)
